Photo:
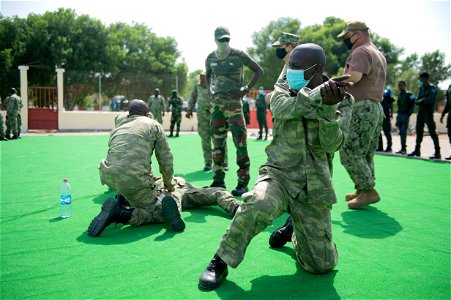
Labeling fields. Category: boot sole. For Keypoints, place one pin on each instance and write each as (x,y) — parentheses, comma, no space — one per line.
(210,286)
(103,218)
(171,213)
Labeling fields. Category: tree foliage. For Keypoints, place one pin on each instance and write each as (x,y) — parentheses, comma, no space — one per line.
(136,58)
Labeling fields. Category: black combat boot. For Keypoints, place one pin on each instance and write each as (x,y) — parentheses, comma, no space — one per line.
(282,235)
(436,155)
(111,212)
(214,275)
(171,213)
(403,150)
(240,189)
(415,152)
(207,167)
(3,138)
(219,184)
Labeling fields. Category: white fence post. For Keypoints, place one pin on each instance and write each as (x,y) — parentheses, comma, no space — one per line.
(24,96)
(60,93)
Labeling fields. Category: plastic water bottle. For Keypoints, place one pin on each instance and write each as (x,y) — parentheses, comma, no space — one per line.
(65,199)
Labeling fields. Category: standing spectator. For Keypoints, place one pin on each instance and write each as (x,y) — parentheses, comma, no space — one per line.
(13,105)
(199,95)
(367,67)
(246,110)
(426,100)
(445,111)
(225,72)
(157,105)
(406,105)
(387,105)
(284,45)
(261,105)
(2,129)
(176,117)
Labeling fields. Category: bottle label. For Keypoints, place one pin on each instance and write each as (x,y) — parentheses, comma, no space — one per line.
(66,199)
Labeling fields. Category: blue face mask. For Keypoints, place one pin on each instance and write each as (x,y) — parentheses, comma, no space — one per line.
(261,91)
(420,83)
(296,79)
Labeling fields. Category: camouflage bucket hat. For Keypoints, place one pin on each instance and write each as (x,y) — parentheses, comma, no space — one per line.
(285,39)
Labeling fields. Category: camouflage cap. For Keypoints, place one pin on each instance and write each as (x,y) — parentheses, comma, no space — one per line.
(352,25)
(222,33)
(286,38)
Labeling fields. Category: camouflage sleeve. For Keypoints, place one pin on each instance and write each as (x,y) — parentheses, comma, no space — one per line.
(164,157)
(193,98)
(334,130)
(284,107)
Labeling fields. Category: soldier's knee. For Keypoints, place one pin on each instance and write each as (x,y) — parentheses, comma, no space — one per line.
(321,266)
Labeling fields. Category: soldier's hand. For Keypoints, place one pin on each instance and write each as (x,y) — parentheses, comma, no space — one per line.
(162,114)
(334,90)
(189,114)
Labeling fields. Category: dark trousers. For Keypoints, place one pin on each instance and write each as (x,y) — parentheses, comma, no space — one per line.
(426,117)
(386,128)
(261,118)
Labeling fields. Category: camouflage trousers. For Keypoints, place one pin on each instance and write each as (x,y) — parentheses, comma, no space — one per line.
(2,129)
(223,118)
(157,115)
(204,130)
(312,234)
(357,153)
(146,200)
(11,123)
(176,119)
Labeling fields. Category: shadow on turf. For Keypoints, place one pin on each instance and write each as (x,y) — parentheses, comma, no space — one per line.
(369,223)
(300,285)
(101,198)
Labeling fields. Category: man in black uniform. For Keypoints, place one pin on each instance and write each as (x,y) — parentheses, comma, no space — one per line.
(427,97)
(447,110)
(387,105)
(261,105)
(406,104)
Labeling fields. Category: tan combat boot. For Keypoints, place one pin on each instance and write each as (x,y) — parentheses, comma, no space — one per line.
(351,196)
(366,197)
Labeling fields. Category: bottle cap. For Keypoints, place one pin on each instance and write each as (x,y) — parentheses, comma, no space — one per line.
(65,180)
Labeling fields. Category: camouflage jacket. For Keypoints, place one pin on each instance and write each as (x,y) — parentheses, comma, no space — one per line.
(199,94)
(13,104)
(306,135)
(132,142)
(227,74)
(157,105)
(177,105)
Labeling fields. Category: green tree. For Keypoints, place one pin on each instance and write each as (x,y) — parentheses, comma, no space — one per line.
(264,54)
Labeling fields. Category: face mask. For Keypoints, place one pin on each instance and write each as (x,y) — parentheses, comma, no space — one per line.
(348,43)
(296,79)
(261,91)
(420,83)
(281,53)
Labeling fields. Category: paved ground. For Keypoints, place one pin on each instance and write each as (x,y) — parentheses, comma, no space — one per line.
(427,147)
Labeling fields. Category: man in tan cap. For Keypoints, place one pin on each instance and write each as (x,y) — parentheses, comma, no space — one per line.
(284,45)
(367,67)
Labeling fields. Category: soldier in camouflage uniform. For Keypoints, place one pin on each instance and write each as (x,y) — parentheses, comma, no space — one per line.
(367,67)
(199,95)
(297,177)
(176,117)
(225,72)
(13,105)
(2,129)
(157,105)
(141,197)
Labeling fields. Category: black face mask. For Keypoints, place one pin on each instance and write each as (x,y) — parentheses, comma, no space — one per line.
(348,43)
(281,53)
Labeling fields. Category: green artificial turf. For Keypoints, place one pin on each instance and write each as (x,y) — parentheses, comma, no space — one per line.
(397,249)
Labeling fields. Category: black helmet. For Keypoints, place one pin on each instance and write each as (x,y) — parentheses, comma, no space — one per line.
(12,91)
